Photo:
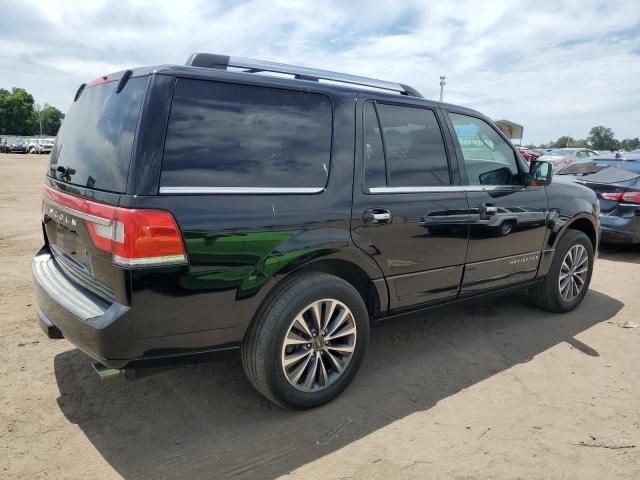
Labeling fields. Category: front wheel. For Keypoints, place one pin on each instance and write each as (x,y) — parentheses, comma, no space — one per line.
(306,344)
(569,277)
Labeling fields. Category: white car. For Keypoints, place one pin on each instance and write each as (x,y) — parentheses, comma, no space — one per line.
(40,145)
(561,157)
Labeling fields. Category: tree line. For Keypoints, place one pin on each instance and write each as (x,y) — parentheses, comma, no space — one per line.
(20,115)
(599,138)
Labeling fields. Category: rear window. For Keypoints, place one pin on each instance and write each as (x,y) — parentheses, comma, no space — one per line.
(629,165)
(95,141)
(227,135)
(594,166)
(403,147)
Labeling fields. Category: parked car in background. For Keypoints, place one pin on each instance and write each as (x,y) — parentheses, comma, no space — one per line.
(528,154)
(615,177)
(16,147)
(40,145)
(560,157)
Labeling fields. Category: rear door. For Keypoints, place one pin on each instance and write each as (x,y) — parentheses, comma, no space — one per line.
(409,211)
(508,220)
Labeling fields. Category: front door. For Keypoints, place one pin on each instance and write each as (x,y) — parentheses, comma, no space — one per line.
(409,211)
(508,220)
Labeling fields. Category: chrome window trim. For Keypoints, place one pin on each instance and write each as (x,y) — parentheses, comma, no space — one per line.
(313,190)
(446,188)
(76,213)
(239,190)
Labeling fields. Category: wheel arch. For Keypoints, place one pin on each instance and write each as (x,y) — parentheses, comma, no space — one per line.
(581,222)
(353,274)
(587,227)
(373,291)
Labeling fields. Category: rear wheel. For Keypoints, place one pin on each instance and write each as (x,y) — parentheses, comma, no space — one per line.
(307,343)
(568,279)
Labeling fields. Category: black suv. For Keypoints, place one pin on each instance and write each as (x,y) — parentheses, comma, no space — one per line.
(213,206)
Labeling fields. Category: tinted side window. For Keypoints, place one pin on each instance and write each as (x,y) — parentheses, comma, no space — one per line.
(489,160)
(415,153)
(227,135)
(375,170)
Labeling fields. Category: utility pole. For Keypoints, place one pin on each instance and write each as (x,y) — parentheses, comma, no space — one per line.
(443,82)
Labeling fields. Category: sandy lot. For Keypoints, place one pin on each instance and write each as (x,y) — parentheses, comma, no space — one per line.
(491,389)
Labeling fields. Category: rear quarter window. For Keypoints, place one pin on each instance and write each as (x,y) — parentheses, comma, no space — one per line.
(228,135)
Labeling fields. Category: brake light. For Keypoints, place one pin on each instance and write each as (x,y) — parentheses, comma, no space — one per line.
(631,197)
(615,196)
(135,237)
(100,80)
(623,197)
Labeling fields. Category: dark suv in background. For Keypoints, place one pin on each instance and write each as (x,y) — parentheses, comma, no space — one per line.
(211,206)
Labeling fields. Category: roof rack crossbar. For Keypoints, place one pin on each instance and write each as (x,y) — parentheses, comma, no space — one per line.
(222,62)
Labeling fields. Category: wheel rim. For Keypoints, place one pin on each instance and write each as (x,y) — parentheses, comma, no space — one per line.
(318,345)
(573,273)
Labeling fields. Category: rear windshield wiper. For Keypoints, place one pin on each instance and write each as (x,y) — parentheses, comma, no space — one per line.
(65,172)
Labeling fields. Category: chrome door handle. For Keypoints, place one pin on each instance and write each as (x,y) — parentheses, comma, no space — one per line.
(376,216)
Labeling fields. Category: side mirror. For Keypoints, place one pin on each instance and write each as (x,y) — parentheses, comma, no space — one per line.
(540,173)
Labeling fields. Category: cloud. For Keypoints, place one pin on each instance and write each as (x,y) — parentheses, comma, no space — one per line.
(557,68)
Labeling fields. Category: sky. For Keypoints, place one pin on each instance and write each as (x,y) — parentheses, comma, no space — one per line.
(558,68)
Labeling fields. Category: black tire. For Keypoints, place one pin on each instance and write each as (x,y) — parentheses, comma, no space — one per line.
(547,295)
(262,345)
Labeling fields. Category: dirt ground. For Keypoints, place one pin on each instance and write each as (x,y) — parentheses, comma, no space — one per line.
(490,389)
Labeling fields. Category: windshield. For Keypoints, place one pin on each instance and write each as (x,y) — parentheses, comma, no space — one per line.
(95,141)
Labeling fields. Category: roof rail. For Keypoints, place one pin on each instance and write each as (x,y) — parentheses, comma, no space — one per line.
(222,62)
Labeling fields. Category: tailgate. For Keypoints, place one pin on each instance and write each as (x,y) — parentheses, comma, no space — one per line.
(71,245)
(89,168)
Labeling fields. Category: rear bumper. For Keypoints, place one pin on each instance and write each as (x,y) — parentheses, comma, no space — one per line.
(614,229)
(95,327)
(49,329)
(117,335)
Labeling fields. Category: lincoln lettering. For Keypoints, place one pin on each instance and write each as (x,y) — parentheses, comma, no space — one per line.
(62,217)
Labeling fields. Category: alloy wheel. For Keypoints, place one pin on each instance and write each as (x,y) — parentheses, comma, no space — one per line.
(319,344)
(573,272)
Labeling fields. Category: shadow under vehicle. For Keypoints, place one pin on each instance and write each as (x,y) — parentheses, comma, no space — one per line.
(206,421)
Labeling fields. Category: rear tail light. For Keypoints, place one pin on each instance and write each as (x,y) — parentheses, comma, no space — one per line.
(134,237)
(622,197)
(631,197)
(615,196)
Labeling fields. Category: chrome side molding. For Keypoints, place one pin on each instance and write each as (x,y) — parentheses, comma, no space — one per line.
(239,190)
